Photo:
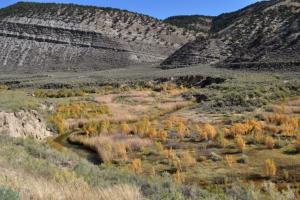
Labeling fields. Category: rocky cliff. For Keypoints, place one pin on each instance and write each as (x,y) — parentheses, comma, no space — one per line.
(61,37)
(265,32)
(23,124)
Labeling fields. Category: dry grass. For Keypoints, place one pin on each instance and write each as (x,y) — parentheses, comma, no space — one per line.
(286,125)
(187,160)
(37,188)
(270,168)
(139,103)
(240,143)
(297,144)
(111,147)
(269,141)
(178,177)
(229,160)
(172,106)
(162,135)
(207,131)
(136,166)
(249,127)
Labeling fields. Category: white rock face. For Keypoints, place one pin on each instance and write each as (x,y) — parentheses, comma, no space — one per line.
(23,124)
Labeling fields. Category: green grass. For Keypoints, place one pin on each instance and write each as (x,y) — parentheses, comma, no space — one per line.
(14,100)
(248,92)
(38,160)
(241,91)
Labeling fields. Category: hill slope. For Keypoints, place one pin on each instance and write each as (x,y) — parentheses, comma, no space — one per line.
(59,37)
(265,32)
(197,23)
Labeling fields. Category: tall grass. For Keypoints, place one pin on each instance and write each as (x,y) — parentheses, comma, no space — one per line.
(39,188)
(110,147)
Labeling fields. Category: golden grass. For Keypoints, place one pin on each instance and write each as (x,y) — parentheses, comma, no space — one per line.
(229,160)
(172,106)
(178,177)
(76,110)
(37,188)
(269,141)
(240,143)
(207,131)
(249,127)
(187,160)
(270,168)
(110,147)
(136,166)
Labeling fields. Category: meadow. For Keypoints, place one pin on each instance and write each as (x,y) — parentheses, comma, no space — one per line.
(156,136)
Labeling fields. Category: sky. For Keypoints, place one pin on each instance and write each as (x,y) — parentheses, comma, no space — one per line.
(159,8)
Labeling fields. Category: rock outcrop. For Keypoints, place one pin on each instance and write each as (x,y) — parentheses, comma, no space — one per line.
(23,124)
(265,32)
(37,37)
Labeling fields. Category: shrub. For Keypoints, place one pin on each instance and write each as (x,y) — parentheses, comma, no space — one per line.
(270,168)
(259,137)
(168,124)
(152,133)
(187,159)
(221,140)
(285,174)
(8,194)
(58,122)
(237,129)
(240,143)
(254,126)
(276,118)
(289,126)
(83,109)
(3,87)
(115,146)
(143,126)
(77,110)
(181,130)
(105,152)
(249,127)
(178,177)
(229,160)
(210,131)
(125,128)
(158,147)
(121,151)
(202,135)
(62,93)
(136,166)
(105,126)
(91,128)
(169,154)
(162,135)
(269,142)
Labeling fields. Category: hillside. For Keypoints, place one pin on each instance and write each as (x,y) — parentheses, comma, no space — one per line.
(197,23)
(266,33)
(43,37)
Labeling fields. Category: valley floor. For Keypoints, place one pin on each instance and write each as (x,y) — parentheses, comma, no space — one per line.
(147,133)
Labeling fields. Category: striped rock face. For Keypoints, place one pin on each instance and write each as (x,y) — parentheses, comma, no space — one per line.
(37,37)
(265,33)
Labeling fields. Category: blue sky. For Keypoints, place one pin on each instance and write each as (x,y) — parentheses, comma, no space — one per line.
(160,8)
